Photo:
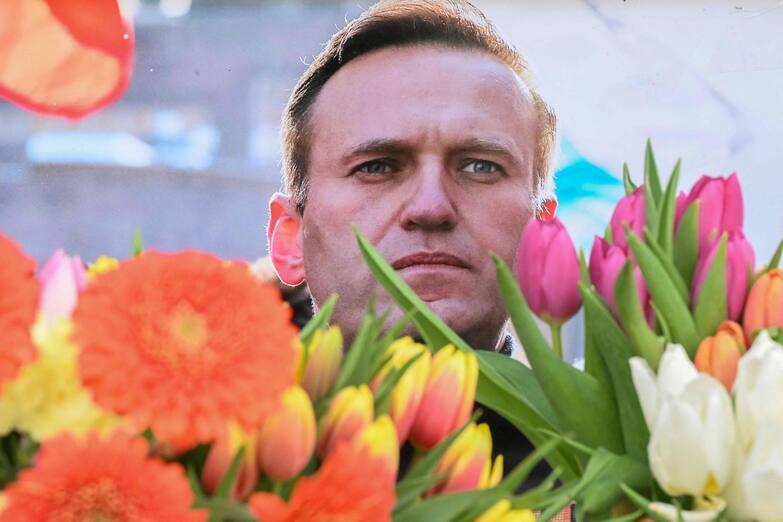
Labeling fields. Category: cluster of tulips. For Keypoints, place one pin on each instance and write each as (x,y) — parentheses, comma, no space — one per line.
(701,324)
(134,390)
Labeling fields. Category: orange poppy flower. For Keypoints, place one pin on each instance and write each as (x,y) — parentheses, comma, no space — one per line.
(18,302)
(99,479)
(352,485)
(63,57)
(184,343)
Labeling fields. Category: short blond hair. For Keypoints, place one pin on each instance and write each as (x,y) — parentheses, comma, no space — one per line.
(451,23)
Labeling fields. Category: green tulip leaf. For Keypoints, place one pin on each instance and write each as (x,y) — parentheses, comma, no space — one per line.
(667,264)
(641,502)
(664,293)
(614,349)
(603,488)
(686,244)
(319,321)
(583,404)
(493,390)
(138,244)
(643,339)
(711,304)
(651,178)
(775,261)
(630,186)
(666,217)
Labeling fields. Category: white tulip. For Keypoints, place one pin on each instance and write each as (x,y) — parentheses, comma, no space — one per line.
(756,493)
(758,390)
(705,510)
(691,422)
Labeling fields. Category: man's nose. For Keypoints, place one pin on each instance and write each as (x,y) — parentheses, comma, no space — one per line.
(429,204)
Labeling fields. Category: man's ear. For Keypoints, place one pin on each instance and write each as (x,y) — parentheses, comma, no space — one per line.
(284,234)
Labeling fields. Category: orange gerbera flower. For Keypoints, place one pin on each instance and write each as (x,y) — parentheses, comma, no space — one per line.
(351,486)
(100,479)
(183,343)
(18,301)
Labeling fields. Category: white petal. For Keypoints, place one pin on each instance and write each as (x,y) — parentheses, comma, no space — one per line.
(711,402)
(758,387)
(675,371)
(676,450)
(646,389)
(706,514)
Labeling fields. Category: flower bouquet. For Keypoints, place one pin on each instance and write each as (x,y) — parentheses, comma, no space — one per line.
(173,387)
(678,411)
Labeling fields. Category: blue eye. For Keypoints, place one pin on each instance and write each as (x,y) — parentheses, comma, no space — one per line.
(375,167)
(481,167)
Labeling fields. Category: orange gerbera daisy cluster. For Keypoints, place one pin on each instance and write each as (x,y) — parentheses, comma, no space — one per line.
(351,486)
(184,343)
(18,302)
(100,479)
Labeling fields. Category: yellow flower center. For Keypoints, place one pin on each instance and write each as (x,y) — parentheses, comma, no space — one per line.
(188,328)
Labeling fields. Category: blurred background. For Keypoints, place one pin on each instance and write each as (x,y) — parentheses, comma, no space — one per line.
(190,154)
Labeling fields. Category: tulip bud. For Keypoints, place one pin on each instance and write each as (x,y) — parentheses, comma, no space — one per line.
(720,207)
(380,439)
(719,354)
(324,357)
(62,278)
(287,438)
(350,411)
(740,261)
(629,211)
(548,270)
(606,262)
(218,462)
(407,393)
(502,512)
(764,308)
(467,463)
(448,396)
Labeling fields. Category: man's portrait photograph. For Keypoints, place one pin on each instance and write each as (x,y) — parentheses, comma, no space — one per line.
(399,260)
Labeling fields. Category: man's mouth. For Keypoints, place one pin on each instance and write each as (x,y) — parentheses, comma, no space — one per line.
(429,258)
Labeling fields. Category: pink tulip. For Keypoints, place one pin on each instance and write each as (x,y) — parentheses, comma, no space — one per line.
(720,206)
(606,261)
(629,211)
(548,270)
(740,261)
(62,278)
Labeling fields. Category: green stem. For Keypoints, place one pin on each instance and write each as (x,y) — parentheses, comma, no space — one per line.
(557,339)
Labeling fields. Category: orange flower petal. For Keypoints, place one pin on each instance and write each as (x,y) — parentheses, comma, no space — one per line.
(18,302)
(99,479)
(184,343)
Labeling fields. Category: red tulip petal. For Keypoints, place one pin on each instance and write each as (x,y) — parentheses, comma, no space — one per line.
(66,58)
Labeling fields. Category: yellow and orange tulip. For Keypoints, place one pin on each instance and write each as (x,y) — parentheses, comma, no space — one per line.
(448,396)
(287,439)
(764,307)
(468,464)
(502,512)
(350,411)
(380,439)
(324,357)
(219,461)
(407,393)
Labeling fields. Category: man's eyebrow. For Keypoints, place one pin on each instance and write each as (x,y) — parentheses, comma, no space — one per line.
(377,146)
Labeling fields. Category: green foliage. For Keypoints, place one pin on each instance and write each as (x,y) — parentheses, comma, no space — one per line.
(711,303)
(686,243)
(642,338)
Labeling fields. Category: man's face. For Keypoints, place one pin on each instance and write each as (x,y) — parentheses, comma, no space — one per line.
(429,151)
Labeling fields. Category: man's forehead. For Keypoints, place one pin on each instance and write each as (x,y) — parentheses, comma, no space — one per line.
(390,90)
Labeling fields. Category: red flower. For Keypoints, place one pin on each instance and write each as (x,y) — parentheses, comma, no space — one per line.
(99,479)
(184,343)
(63,57)
(18,302)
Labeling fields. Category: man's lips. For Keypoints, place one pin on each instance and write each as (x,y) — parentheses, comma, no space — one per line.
(429,258)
